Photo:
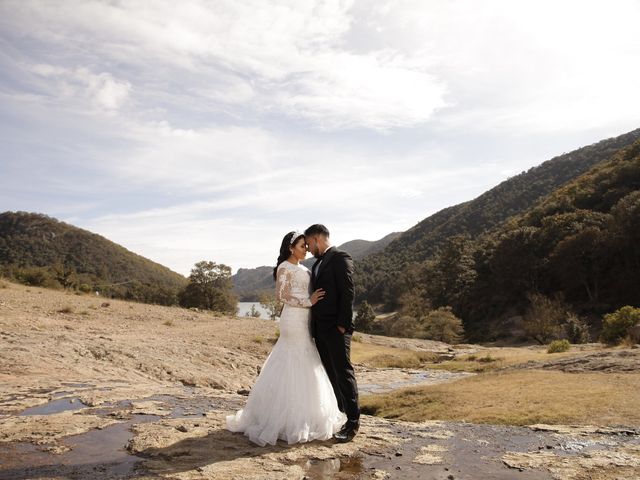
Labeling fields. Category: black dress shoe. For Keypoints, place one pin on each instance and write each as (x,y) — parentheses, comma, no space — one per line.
(347,432)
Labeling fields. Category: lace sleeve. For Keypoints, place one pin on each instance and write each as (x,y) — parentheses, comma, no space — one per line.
(285,291)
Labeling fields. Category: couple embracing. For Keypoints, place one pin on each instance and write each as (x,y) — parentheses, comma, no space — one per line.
(307,389)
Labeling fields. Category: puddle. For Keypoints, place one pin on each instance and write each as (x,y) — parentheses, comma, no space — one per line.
(327,469)
(55,406)
(99,453)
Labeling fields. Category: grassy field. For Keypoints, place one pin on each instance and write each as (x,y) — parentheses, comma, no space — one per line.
(500,396)
(496,358)
(487,359)
(379,356)
(519,398)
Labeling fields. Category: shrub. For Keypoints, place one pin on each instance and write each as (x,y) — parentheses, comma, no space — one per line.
(36,277)
(403,326)
(487,359)
(576,330)
(558,346)
(66,309)
(616,325)
(441,325)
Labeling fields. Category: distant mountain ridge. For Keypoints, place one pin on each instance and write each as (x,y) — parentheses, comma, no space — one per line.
(361,248)
(38,249)
(250,283)
(379,275)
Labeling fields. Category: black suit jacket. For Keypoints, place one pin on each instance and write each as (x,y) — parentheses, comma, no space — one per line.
(335,277)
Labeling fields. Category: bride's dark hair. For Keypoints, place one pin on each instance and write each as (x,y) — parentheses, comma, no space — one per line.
(285,252)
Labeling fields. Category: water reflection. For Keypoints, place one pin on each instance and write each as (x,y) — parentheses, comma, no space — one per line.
(325,469)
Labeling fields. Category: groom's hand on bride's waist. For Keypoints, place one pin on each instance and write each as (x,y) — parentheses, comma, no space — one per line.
(341,329)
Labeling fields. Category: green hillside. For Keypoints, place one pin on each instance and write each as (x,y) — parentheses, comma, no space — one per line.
(578,248)
(40,250)
(382,277)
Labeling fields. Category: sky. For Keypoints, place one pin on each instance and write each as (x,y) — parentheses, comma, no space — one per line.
(207,130)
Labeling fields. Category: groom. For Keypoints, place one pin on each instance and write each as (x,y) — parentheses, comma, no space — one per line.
(332,322)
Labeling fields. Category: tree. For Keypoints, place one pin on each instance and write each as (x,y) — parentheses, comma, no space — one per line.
(448,279)
(579,261)
(271,305)
(365,317)
(544,317)
(210,288)
(441,325)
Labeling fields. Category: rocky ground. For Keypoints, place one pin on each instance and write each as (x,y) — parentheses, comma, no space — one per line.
(104,389)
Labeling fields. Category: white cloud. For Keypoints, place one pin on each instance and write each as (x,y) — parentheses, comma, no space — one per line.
(102,90)
(293,52)
(523,67)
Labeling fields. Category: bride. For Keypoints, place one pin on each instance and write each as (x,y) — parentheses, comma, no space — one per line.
(292,398)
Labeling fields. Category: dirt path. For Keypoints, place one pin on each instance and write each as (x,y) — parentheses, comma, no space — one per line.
(125,390)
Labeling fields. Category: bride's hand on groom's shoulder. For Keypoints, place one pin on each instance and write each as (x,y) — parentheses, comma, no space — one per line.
(316,296)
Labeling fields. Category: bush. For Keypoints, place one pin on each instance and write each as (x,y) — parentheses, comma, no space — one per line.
(616,325)
(576,330)
(36,277)
(402,327)
(441,325)
(558,346)
(487,359)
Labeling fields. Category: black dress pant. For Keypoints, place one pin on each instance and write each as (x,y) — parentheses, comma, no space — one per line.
(335,352)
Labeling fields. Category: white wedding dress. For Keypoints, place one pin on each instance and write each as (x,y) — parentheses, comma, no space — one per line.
(292,398)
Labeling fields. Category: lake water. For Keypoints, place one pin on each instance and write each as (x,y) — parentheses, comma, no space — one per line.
(245,307)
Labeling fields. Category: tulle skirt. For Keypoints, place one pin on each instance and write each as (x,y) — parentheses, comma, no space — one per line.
(292,399)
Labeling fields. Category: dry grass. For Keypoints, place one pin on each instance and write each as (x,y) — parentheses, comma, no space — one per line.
(497,358)
(519,398)
(66,309)
(379,356)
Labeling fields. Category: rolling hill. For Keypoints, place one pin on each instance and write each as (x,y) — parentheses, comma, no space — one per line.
(379,276)
(39,250)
